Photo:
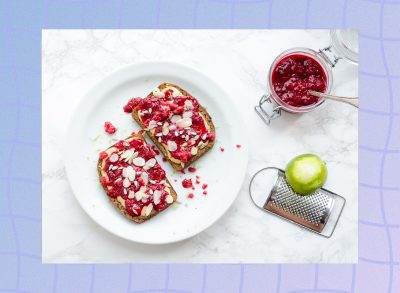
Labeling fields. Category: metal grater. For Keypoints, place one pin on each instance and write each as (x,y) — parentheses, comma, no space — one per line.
(318,212)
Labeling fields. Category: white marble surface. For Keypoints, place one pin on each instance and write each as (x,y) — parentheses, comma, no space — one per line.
(74,60)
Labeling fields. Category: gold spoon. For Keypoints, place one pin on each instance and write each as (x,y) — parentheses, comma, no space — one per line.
(351,101)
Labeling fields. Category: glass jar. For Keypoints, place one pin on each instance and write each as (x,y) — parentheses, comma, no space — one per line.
(343,45)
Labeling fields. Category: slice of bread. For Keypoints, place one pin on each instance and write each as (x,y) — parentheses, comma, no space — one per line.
(121,170)
(201,146)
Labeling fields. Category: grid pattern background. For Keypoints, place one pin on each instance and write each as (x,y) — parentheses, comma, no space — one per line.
(21,22)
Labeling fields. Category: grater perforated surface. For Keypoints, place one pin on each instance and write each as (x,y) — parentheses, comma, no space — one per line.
(312,208)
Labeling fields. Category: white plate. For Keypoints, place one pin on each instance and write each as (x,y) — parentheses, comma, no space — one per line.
(222,171)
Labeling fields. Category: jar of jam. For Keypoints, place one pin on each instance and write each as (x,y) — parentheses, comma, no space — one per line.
(296,71)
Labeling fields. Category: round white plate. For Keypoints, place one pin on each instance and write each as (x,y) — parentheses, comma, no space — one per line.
(222,171)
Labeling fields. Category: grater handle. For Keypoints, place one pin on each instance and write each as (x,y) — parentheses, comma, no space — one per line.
(252,180)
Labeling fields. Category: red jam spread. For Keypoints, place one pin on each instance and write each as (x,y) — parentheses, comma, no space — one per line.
(176,122)
(134,177)
(109,128)
(294,75)
(187,183)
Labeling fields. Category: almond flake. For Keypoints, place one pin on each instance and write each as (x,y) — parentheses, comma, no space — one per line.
(149,209)
(158,94)
(172,127)
(187,114)
(165,129)
(193,151)
(169,199)
(130,173)
(150,163)
(176,133)
(159,134)
(152,124)
(143,212)
(121,201)
(125,191)
(150,110)
(188,105)
(159,139)
(157,197)
(172,146)
(145,177)
(113,158)
(126,183)
(204,136)
(139,161)
(131,194)
(175,118)
(152,181)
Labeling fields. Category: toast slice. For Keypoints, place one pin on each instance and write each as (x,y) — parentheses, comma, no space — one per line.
(179,126)
(134,181)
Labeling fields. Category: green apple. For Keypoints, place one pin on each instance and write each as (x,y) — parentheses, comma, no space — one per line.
(306,173)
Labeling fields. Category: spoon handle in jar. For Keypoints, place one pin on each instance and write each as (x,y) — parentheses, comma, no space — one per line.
(351,101)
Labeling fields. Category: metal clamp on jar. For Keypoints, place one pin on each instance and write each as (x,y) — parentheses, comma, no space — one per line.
(289,79)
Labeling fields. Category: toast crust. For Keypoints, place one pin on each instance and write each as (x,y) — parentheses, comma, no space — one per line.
(138,219)
(161,147)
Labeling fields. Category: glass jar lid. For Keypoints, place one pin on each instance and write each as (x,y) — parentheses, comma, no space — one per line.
(345,43)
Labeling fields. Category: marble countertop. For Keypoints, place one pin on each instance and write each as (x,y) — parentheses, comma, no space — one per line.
(238,60)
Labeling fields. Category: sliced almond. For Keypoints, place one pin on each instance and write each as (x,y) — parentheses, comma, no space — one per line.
(121,201)
(158,94)
(131,194)
(149,209)
(145,177)
(152,124)
(113,158)
(187,114)
(184,122)
(143,212)
(172,146)
(175,118)
(188,105)
(204,136)
(130,173)
(139,161)
(193,151)
(169,199)
(157,196)
(165,129)
(202,145)
(126,183)
(172,127)
(150,163)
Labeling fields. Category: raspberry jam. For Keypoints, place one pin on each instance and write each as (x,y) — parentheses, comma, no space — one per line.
(131,175)
(294,75)
(109,128)
(176,121)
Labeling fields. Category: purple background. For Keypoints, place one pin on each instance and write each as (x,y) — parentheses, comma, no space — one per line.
(20,212)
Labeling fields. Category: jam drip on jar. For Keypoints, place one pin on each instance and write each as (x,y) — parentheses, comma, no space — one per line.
(133,174)
(177,123)
(294,75)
